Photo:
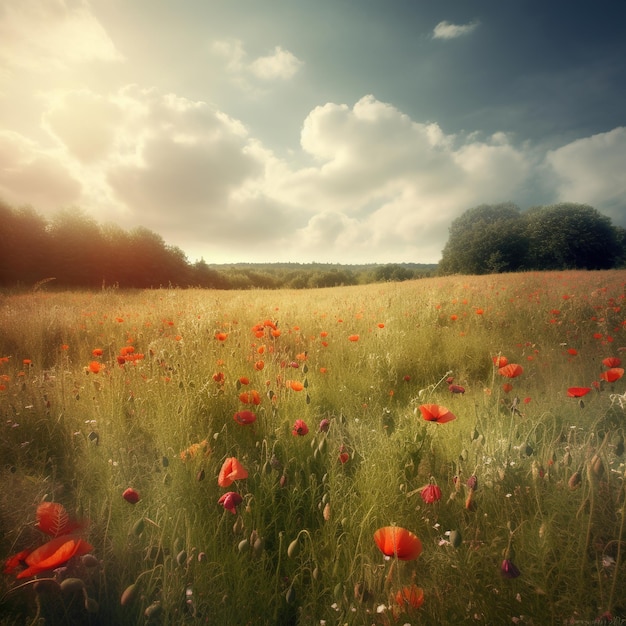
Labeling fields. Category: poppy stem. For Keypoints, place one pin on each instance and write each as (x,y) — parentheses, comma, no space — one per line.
(618,556)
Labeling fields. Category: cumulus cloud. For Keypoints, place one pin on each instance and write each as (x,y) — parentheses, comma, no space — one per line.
(31,175)
(591,170)
(447,30)
(375,185)
(281,64)
(45,36)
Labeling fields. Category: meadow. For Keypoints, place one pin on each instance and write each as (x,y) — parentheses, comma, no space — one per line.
(439,451)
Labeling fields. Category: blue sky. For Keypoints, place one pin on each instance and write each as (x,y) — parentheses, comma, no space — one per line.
(328,131)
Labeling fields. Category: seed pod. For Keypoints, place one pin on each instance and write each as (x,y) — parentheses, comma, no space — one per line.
(91,606)
(89,560)
(326,512)
(294,548)
(243,546)
(181,557)
(596,465)
(574,480)
(455,538)
(153,611)
(129,594)
(290,596)
(72,585)
(46,585)
(138,527)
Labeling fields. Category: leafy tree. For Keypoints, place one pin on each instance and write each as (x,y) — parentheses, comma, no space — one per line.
(486,239)
(571,236)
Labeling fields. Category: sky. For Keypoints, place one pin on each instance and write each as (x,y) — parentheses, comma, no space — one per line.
(330,131)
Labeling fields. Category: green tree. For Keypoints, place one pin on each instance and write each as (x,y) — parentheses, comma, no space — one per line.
(571,236)
(484,240)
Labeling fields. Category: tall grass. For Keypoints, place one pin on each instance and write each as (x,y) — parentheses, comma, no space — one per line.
(549,497)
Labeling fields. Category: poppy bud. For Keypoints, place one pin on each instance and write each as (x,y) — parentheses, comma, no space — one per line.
(508,569)
(130,495)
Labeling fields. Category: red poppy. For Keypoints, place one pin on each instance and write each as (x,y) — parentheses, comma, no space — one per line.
(95,367)
(54,554)
(611,361)
(53,519)
(97,352)
(399,542)
(572,351)
(511,370)
(231,470)
(613,374)
(431,493)
(244,417)
(436,413)
(130,495)
(353,338)
(299,428)
(507,387)
(230,501)
(250,397)
(15,561)
(500,361)
(221,336)
(412,596)
(456,389)
(578,392)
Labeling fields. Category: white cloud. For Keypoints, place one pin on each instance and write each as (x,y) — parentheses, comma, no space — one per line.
(446,30)
(376,185)
(30,175)
(51,35)
(281,64)
(591,171)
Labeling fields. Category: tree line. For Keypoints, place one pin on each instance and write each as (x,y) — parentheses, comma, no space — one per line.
(72,250)
(497,238)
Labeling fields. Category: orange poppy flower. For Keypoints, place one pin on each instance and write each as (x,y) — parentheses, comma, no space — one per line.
(436,413)
(97,352)
(613,374)
(221,336)
(231,470)
(500,361)
(578,392)
(244,417)
(296,385)
(507,387)
(95,367)
(511,370)
(54,554)
(53,519)
(259,365)
(398,542)
(412,596)
(353,338)
(611,361)
(250,397)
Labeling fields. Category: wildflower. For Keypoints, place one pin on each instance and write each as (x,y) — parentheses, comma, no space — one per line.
(259,365)
(230,501)
(500,361)
(97,352)
(578,392)
(508,569)
(194,449)
(611,361)
(95,367)
(613,374)
(53,554)
(456,389)
(431,493)
(219,377)
(231,470)
(53,519)
(130,495)
(411,595)
(299,429)
(399,542)
(436,413)
(511,370)
(250,397)
(572,351)
(507,387)
(244,417)
(324,425)
(296,385)
(221,336)
(353,338)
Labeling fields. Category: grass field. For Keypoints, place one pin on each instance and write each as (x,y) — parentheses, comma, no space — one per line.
(227,457)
